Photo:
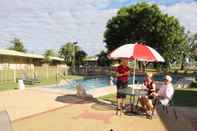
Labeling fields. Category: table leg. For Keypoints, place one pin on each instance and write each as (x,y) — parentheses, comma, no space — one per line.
(133,104)
(130,101)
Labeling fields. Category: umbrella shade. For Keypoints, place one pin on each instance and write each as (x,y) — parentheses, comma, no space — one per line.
(137,52)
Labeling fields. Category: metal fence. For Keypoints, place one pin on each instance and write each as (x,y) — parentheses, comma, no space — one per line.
(41,72)
(89,70)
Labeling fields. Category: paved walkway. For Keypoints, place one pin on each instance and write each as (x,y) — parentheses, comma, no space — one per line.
(22,103)
(27,102)
(38,110)
(190,113)
(85,117)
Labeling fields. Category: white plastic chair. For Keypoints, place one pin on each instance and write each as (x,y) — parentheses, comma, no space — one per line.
(5,123)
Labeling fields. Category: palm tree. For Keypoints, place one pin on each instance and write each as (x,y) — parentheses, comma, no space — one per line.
(47,55)
(17,45)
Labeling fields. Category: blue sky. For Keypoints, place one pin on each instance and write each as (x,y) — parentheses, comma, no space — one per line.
(120,3)
(49,24)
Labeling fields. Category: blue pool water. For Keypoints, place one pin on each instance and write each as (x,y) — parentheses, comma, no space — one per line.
(97,82)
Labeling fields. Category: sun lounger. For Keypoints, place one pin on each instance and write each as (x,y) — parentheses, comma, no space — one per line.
(30,81)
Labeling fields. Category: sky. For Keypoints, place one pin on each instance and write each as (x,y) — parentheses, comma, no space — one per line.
(48,24)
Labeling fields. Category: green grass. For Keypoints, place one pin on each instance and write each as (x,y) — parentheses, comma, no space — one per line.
(186,97)
(193,84)
(49,81)
(112,98)
(8,86)
(182,97)
(11,86)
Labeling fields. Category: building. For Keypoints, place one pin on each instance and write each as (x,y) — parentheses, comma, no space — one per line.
(90,61)
(18,60)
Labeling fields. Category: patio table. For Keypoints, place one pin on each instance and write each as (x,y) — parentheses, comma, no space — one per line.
(133,93)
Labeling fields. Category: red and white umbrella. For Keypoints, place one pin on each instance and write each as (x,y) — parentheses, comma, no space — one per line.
(136,52)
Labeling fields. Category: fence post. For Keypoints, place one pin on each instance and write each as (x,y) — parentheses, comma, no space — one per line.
(14,75)
(57,72)
(1,72)
(47,72)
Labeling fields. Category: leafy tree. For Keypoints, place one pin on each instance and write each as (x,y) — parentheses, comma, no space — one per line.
(146,23)
(17,45)
(103,59)
(68,51)
(193,46)
(79,56)
(47,55)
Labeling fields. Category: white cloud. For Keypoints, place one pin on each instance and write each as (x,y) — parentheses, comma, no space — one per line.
(49,24)
(186,14)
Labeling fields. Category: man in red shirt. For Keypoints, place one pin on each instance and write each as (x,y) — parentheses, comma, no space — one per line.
(122,73)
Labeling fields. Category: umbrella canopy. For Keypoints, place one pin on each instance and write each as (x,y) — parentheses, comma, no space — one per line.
(137,52)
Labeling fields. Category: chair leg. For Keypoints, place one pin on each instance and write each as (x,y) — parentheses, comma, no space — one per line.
(175,114)
(119,111)
(163,107)
(166,109)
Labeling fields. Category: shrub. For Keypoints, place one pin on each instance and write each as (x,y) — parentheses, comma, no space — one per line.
(176,72)
(193,84)
(186,72)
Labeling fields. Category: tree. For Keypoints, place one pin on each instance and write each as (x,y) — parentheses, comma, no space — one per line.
(68,51)
(79,56)
(103,59)
(145,23)
(17,45)
(193,46)
(47,55)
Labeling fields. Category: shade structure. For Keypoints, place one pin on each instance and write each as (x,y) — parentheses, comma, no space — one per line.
(136,51)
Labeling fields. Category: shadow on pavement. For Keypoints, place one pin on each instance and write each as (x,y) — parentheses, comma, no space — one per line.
(73,99)
(101,106)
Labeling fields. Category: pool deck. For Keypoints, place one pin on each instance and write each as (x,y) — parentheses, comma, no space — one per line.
(23,103)
(36,109)
(83,117)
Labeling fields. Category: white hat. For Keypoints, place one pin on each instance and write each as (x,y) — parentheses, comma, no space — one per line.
(169,78)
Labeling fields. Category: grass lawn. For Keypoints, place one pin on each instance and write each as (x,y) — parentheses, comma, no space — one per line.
(182,97)
(49,81)
(8,86)
(186,97)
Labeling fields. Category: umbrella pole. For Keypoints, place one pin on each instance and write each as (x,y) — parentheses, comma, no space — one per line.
(134,76)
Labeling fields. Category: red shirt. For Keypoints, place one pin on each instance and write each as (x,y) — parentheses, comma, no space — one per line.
(121,70)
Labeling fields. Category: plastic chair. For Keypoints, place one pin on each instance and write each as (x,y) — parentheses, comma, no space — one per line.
(165,108)
(5,123)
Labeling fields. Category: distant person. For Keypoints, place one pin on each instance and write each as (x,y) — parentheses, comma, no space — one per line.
(122,73)
(146,101)
(166,91)
(111,83)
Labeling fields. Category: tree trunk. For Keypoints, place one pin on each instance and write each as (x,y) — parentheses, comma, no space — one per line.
(183,62)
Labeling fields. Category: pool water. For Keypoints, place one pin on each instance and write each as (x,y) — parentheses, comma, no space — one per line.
(98,82)
(88,84)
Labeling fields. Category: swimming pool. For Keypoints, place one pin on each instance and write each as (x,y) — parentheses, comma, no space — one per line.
(98,82)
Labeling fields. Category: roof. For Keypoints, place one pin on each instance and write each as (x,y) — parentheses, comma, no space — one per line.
(21,54)
(91,58)
(56,58)
(27,55)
